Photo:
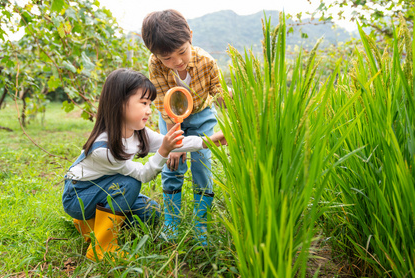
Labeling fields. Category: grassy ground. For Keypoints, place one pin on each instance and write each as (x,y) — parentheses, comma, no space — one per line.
(37,238)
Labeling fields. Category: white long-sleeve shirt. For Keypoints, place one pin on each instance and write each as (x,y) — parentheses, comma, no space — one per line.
(96,164)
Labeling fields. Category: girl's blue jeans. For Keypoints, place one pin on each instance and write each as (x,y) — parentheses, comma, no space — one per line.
(122,191)
(199,124)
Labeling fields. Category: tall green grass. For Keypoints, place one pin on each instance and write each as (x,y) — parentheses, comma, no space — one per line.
(279,157)
(376,222)
(304,152)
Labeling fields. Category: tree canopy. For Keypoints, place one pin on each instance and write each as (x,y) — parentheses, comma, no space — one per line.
(67,47)
(376,14)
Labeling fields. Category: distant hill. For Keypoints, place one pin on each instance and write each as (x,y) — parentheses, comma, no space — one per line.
(213,32)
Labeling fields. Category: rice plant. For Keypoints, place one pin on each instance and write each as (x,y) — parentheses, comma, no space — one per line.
(279,158)
(376,222)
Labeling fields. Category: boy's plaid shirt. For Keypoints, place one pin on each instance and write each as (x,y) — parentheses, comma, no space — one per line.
(205,80)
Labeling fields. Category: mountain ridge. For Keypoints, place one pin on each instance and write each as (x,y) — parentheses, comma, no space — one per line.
(215,31)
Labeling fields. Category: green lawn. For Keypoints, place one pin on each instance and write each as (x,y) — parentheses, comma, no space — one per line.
(37,238)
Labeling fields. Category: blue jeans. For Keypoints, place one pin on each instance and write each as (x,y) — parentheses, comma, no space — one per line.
(124,192)
(198,124)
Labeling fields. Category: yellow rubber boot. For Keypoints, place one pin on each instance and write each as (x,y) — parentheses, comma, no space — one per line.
(106,229)
(85,227)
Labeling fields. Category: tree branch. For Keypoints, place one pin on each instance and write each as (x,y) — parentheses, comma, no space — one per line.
(18,114)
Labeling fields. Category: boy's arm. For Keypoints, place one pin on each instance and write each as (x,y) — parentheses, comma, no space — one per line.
(216,87)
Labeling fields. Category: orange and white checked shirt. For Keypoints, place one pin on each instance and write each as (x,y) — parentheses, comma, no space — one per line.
(205,82)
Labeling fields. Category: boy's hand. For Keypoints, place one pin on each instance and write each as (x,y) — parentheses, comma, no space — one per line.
(170,140)
(221,102)
(174,160)
(218,138)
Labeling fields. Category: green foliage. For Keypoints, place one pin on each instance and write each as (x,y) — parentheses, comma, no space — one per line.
(277,161)
(375,188)
(375,14)
(67,47)
(349,140)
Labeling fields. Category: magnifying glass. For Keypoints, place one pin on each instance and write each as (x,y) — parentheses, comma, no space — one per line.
(178,103)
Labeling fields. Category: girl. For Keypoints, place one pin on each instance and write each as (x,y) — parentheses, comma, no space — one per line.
(102,187)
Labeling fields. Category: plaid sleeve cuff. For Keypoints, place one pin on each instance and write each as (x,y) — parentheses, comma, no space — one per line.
(166,118)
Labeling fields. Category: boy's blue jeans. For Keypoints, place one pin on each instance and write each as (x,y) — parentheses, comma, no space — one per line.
(124,192)
(198,124)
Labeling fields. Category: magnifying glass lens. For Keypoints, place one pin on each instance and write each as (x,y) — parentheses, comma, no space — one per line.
(178,103)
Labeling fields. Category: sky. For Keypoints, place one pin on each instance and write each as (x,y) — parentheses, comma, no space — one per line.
(130,13)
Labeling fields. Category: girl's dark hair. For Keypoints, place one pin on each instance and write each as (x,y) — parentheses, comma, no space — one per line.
(119,86)
(164,32)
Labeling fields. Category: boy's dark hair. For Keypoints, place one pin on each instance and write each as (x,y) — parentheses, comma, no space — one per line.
(164,32)
(119,86)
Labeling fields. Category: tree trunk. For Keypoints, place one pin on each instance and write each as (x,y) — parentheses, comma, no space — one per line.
(3,97)
(23,116)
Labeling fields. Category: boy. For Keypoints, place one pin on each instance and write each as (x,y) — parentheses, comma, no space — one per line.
(175,62)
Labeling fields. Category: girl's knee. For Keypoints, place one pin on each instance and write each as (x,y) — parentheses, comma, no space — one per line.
(125,185)
(123,191)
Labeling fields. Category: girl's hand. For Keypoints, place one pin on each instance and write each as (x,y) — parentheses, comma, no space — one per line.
(218,138)
(170,140)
